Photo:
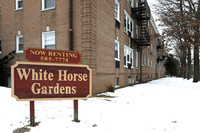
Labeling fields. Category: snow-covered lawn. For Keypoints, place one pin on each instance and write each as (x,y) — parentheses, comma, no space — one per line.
(168,105)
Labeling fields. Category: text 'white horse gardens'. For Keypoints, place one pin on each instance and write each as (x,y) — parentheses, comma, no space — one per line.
(40,81)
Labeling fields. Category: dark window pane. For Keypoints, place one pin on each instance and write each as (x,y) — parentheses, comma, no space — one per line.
(50,47)
(20,40)
(131,62)
(125,60)
(116,54)
(49,3)
(20,3)
(125,21)
(20,47)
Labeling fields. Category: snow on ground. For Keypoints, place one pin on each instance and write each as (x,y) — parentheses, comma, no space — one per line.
(168,105)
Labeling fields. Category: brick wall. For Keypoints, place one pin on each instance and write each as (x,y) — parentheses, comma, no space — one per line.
(94,36)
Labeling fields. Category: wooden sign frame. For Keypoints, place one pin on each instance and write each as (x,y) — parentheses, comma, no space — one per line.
(50,64)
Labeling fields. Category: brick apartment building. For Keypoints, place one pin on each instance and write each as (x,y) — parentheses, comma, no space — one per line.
(116,38)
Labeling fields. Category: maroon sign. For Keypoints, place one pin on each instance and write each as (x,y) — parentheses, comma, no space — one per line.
(49,55)
(45,81)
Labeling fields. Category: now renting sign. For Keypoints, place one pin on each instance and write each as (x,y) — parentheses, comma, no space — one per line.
(50,81)
(52,56)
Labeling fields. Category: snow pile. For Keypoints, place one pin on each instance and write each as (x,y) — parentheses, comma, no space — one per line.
(168,105)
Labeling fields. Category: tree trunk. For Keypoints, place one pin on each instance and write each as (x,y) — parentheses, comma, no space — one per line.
(196,64)
(184,66)
(189,63)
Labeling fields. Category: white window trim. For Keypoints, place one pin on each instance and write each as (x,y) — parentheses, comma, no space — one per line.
(132,32)
(117,86)
(131,3)
(16,7)
(43,37)
(125,54)
(117,42)
(137,60)
(132,59)
(137,31)
(118,4)
(17,43)
(50,8)
(127,51)
(145,60)
(137,3)
(128,23)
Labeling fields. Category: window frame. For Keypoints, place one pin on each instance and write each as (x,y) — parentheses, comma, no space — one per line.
(137,31)
(116,82)
(17,43)
(118,48)
(145,60)
(117,11)
(17,5)
(136,59)
(137,3)
(127,24)
(128,53)
(44,34)
(49,8)
(125,55)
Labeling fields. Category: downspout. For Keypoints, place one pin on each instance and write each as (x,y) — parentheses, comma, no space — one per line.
(71,45)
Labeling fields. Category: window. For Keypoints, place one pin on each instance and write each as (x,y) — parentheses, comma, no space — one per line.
(137,34)
(136,3)
(117,52)
(117,10)
(19,44)
(48,40)
(117,82)
(151,63)
(125,56)
(128,24)
(125,21)
(131,56)
(19,4)
(148,61)
(132,3)
(48,4)
(145,60)
(137,59)
(0,46)
(128,57)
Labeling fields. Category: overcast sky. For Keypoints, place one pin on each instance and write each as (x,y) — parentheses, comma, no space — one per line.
(151,3)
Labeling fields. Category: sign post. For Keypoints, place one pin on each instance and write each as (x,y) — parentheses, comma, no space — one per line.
(32,113)
(76,111)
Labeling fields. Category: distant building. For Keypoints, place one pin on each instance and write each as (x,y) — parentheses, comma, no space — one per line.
(116,38)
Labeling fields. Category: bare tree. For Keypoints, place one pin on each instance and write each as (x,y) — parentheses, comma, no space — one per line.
(181,23)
